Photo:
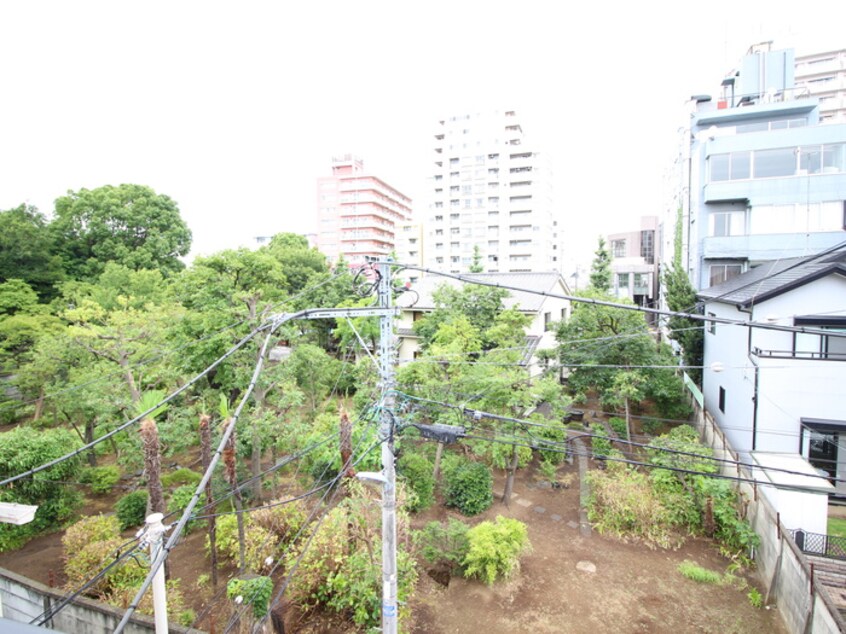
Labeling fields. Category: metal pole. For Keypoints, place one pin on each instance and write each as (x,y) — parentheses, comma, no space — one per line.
(389,516)
(153,536)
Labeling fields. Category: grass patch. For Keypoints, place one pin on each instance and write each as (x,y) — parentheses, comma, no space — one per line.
(837,526)
(699,574)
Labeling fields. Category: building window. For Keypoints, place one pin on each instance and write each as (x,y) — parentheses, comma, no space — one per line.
(547,322)
(641,281)
(618,248)
(728,223)
(722,399)
(719,273)
(712,325)
(623,280)
(647,245)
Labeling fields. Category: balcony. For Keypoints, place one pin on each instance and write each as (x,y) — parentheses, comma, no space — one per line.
(799,354)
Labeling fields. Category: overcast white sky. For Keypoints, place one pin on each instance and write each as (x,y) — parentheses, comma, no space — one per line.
(234,109)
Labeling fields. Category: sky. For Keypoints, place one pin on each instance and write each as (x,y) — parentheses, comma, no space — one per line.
(235,109)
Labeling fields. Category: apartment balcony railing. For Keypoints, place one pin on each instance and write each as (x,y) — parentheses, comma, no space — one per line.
(799,354)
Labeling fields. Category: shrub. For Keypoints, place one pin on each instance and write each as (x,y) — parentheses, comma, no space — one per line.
(94,528)
(651,426)
(255,592)
(495,549)
(755,598)
(618,425)
(179,500)
(101,479)
(623,503)
(600,443)
(131,509)
(181,477)
(259,543)
(417,472)
(468,487)
(282,520)
(548,470)
(699,574)
(444,544)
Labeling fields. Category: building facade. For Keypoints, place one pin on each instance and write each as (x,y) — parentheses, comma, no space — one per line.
(490,198)
(759,178)
(634,262)
(824,77)
(358,214)
(780,391)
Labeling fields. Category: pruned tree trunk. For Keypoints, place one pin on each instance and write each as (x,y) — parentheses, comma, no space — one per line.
(628,425)
(39,405)
(345,441)
(439,452)
(231,476)
(205,454)
(152,465)
(255,460)
(509,480)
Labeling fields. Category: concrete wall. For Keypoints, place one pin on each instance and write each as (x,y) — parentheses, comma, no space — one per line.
(23,599)
(804,606)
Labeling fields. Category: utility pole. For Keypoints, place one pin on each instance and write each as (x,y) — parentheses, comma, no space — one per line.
(386,433)
(153,534)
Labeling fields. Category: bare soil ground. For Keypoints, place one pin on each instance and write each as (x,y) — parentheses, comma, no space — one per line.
(634,589)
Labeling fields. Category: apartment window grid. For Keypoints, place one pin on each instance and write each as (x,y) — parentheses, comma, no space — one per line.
(618,248)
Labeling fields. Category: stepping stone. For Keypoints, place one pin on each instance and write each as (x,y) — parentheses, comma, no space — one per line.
(555,517)
(573,524)
(524,502)
(540,509)
(586,566)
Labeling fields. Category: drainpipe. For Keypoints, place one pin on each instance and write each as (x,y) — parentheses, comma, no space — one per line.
(752,359)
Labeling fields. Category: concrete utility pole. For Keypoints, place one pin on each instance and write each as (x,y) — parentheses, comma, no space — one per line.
(153,536)
(386,432)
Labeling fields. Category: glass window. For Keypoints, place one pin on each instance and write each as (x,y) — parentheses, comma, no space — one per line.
(740,166)
(780,162)
(640,279)
(622,280)
(719,273)
(727,223)
(618,248)
(719,167)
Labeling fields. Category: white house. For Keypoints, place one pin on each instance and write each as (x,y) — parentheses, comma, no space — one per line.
(781,392)
(543,310)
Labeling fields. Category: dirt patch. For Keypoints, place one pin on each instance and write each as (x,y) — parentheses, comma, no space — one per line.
(633,588)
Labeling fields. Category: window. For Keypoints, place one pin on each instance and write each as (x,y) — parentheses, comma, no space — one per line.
(439,232)
(712,325)
(547,322)
(719,273)
(623,280)
(770,163)
(728,223)
(618,248)
(641,280)
(722,399)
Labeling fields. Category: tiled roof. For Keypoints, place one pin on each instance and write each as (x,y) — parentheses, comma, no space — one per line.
(527,302)
(774,278)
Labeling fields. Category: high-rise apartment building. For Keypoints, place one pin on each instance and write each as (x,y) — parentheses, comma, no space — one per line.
(824,76)
(491,198)
(759,178)
(358,214)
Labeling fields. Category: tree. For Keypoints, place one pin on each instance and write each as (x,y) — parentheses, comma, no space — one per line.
(600,268)
(127,224)
(299,261)
(27,251)
(480,305)
(477,266)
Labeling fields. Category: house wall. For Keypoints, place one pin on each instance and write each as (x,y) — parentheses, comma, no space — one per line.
(728,346)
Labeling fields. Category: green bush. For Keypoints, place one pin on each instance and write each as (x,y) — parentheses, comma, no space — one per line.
(417,472)
(22,450)
(179,500)
(259,543)
(468,487)
(441,544)
(651,426)
(255,592)
(283,520)
(618,425)
(600,443)
(755,598)
(495,549)
(181,477)
(131,509)
(101,479)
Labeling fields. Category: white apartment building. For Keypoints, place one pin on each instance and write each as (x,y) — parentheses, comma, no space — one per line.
(491,189)
(824,76)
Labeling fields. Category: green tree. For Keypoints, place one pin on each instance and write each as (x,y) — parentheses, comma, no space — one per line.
(22,322)
(477,266)
(27,251)
(600,268)
(299,261)
(128,224)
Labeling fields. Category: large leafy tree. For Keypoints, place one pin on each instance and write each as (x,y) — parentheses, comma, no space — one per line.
(26,251)
(299,261)
(480,305)
(128,224)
